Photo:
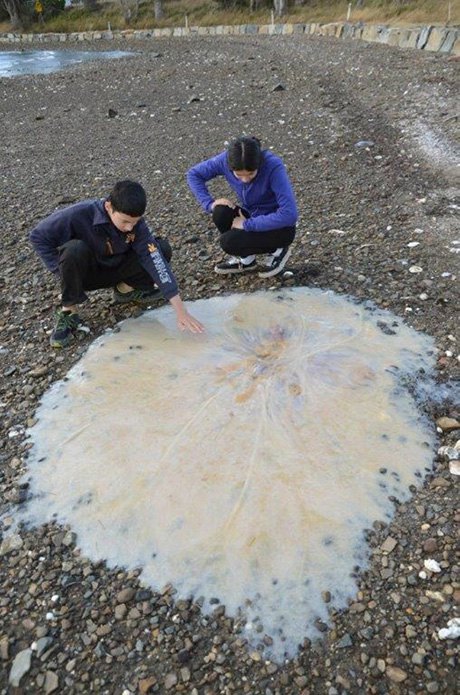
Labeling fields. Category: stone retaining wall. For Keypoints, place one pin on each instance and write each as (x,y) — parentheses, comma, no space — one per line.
(429,38)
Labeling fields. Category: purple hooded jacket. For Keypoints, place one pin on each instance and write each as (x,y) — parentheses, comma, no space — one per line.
(268,198)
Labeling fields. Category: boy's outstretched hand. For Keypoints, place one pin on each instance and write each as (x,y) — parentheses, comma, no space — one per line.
(185,321)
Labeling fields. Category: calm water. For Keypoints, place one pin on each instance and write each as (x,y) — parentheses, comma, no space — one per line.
(243,464)
(39,62)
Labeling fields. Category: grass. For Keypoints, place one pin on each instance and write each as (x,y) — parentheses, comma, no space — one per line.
(207,13)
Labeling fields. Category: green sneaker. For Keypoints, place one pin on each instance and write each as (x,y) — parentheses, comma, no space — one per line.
(139,297)
(67,325)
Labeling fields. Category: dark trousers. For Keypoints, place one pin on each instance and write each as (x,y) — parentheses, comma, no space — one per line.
(237,242)
(81,270)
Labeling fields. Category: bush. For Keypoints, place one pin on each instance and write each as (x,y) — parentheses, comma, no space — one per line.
(52,7)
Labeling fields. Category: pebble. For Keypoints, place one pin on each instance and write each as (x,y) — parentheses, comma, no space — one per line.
(170,681)
(448,424)
(51,682)
(432,566)
(452,631)
(389,544)
(454,467)
(430,545)
(449,452)
(396,674)
(11,543)
(20,667)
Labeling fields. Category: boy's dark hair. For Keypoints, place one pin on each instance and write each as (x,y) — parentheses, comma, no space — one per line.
(244,154)
(129,198)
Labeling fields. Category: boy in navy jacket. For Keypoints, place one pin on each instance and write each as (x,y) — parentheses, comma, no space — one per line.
(106,243)
(264,221)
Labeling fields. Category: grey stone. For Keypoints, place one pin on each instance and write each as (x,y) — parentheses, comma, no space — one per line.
(42,645)
(51,682)
(344,642)
(423,37)
(20,667)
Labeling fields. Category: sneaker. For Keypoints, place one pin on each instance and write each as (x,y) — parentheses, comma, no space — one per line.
(234,265)
(67,326)
(276,264)
(139,297)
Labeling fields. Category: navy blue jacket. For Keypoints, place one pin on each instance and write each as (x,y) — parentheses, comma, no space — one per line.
(268,198)
(89,222)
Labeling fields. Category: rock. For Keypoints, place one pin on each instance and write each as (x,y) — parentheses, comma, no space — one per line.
(185,674)
(20,667)
(11,543)
(396,674)
(42,645)
(112,113)
(430,545)
(120,611)
(363,144)
(389,544)
(170,681)
(449,452)
(432,566)
(125,595)
(344,642)
(452,631)
(4,644)
(39,371)
(51,682)
(454,467)
(145,684)
(279,88)
(448,424)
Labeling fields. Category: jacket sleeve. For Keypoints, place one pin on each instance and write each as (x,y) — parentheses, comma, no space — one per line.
(286,213)
(153,261)
(48,235)
(200,174)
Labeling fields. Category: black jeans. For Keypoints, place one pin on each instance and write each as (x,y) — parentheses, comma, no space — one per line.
(81,270)
(237,242)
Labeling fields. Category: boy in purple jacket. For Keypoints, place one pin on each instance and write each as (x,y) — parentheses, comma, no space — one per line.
(106,243)
(264,220)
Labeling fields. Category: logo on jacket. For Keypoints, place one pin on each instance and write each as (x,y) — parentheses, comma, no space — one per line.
(159,263)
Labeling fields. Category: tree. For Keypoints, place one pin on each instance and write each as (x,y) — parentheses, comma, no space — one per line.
(280,7)
(130,9)
(18,12)
(158,9)
(90,5)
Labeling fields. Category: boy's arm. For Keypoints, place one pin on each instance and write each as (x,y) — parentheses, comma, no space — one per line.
(157,266)
(153,261)
(47,236)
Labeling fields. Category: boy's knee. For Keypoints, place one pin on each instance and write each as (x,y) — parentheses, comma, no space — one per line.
(73,248)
